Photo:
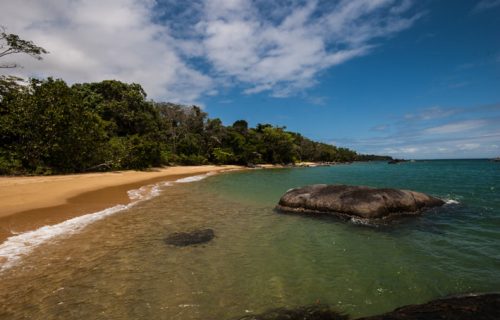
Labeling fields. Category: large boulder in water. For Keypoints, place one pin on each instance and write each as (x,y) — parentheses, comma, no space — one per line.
(182,239)
(356,201)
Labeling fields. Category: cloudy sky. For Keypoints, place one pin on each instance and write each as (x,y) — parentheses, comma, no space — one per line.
(408,78)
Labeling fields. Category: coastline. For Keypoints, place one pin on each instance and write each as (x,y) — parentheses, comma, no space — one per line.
(29,203)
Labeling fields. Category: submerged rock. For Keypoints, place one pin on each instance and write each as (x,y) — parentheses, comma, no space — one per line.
(468,307)
(312,312)
(356,201)
(182,239)
(474,306)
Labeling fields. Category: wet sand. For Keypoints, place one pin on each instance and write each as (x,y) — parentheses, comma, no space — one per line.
(27,203)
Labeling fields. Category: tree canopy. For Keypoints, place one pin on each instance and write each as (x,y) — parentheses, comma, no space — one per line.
(49,127)
(12,44)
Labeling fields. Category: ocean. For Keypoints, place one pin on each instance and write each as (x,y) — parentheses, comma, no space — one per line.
(115,264)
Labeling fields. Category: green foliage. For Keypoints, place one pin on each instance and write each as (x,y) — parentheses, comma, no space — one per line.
(241,126)
(116,152)
(223,156)
(140,152)
(123,106)
(47,127)
(277,146)
(168,158)
(133,152)
(9,166)
(372,157)
(192,159)
(9,85)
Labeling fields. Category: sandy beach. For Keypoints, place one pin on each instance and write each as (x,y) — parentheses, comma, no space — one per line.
(28,203)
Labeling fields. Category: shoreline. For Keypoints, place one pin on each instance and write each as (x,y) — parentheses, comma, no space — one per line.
(29,203)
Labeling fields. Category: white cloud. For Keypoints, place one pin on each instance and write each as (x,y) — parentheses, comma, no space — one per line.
(437,132)
(93,40)
(408,150)
(380,128)
(468,146)
(461,126)
(485,5)
(286,55)
(431,113)
(281,47)
(427,148)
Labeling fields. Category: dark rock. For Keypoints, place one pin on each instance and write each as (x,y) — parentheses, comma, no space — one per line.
(312,312)
(182,239)
(467,307)
(356,201)
(476,307)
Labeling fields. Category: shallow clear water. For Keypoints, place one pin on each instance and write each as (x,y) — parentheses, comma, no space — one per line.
(120,268)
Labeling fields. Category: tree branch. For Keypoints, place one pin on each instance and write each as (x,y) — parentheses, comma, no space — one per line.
(12,44)
(6,52)
(9,66)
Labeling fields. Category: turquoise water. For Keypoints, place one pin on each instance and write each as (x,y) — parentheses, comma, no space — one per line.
(449,250)
(120,268)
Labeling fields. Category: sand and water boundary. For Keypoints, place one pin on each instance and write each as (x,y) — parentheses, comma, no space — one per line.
(28,203)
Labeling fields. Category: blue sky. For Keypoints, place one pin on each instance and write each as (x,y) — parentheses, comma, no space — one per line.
(408,78)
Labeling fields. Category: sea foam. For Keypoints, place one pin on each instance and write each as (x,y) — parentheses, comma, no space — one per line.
(147,192)
(194,178)
(17,246)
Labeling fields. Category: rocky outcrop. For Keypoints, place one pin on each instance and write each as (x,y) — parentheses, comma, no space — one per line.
(182,239)
(477,307)
(356,201)
(474,306)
